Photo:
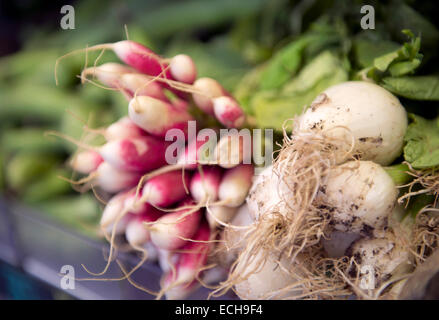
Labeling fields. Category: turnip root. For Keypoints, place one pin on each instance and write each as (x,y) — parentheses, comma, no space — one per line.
(377,260)
(359,112)
(267,278)
(360,197)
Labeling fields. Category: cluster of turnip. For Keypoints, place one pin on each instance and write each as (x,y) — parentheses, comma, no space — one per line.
(168,211)
(323,221)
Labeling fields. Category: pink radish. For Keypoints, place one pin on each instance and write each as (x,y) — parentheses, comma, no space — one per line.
(135,154)
(86,161)
(141,85)
(191,154)
(235,184)
(232,149)
(205,184)
(228,112)
(137,206)
(108,73)
(123,128)
(165,189)
(121,77)
(183,68)
(113,180)
(141,153)
(208,89)
(193,256)
(157,117)
(136,233)
(170,231)
(113,209)
(140,57)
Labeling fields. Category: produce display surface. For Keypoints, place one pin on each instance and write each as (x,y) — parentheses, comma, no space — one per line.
(268,151)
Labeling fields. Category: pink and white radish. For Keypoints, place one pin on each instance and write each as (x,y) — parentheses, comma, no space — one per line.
(171,231)
(123,128)
(86,162)
(233,149)
(165,189)
(157,117)
(111,179)
(192,256)
(135,154)
(136,233)
(235,184)
(207,89)
(142,153)
(113,211)
(183,69)
(228,112)
(205,183)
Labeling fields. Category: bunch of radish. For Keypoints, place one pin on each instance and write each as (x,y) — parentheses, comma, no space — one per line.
(324,217)
(171,211)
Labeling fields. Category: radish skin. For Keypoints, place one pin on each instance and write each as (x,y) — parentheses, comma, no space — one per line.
(205,186)
(136,233)
(135,154)
(228,112)
(209,89)
(113,180)
(170,231)
(165,189)
(193,255)
(157,117)
(140,57)
(113,209)
(123,128)
(235,184)
(183,68)
(86,162)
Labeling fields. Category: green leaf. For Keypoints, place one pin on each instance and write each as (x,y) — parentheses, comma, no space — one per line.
(421,148)
(366,50)
(414,87)
(272,108)
(283,65)
(403,68)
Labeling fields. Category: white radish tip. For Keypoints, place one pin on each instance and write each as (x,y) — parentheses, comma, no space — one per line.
(183,69)
(228,112)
